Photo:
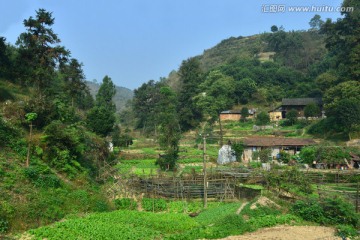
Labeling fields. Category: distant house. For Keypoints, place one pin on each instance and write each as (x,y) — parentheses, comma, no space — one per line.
(276,144)
(297,104)
(235,115)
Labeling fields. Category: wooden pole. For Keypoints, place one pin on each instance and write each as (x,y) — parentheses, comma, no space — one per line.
(29,146)
(204,169)
(357,198)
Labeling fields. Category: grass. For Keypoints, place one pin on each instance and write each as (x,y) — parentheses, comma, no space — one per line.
(149,150)
(137,166)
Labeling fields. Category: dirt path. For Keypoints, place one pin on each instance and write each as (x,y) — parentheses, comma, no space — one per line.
(289,233)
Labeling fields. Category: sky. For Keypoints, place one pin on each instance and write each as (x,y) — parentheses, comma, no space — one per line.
(134,41)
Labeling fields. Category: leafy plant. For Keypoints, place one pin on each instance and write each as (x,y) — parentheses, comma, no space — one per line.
(125,203)
(153,204)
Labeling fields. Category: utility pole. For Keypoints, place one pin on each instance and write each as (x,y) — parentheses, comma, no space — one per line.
(204,169)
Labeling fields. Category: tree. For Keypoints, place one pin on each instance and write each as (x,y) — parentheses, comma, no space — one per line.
(101,118)
(326,80)
(115,136)
(291,116)
(74,79)
(316,23)
(344,90)
(191,76)
(244,90)
(311,110)
(262,119)
(217,94)
(244,113)
(347,113)
(145,104)
(238,148)
(38,50)
(4,58)
(106,93)
(274,28)
(342,40)
(169,129)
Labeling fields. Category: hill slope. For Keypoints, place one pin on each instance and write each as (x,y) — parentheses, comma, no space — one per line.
(121,97)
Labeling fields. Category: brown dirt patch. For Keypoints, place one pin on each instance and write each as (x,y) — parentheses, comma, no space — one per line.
(264,202)
(289,232)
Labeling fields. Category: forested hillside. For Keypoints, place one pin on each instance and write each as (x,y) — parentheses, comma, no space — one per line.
(258,71)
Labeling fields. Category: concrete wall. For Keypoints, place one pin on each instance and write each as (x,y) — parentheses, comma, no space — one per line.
(274,116)
(230,117)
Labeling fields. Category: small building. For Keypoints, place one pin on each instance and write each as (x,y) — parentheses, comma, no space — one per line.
(235,115)
(276,144)
(297,104)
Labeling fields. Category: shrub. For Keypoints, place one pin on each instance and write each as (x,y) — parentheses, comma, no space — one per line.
(6,133)
(262,119)
(345,231)
(329,211)
(308,155)
(339,211)
(309,210)
(284,156)
(42,177)
(291,116)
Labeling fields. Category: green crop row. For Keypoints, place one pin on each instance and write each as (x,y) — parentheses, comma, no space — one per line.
(217,221)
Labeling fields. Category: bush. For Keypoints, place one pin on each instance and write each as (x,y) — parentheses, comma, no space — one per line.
(329,211)
(239,149)
(308,155)
(345,231)
(6,133)
(339,211)
(262,119)
(42,177)
(153,204)
(284,156)
(168,160)
(324,126)
(125,204)
(309,210)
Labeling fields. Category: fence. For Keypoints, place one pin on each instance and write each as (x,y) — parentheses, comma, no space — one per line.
(218,187)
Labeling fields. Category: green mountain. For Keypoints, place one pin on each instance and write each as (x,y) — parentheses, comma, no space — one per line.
(121,97)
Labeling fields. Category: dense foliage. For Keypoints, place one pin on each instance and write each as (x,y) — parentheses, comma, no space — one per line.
(44,118)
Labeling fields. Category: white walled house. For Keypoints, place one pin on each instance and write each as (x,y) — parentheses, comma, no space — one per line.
(276,144)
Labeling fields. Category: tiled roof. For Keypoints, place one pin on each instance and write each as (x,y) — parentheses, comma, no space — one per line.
(300,101)
(251,111)
(277,141)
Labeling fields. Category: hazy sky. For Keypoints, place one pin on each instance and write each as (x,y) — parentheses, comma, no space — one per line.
(134,41)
